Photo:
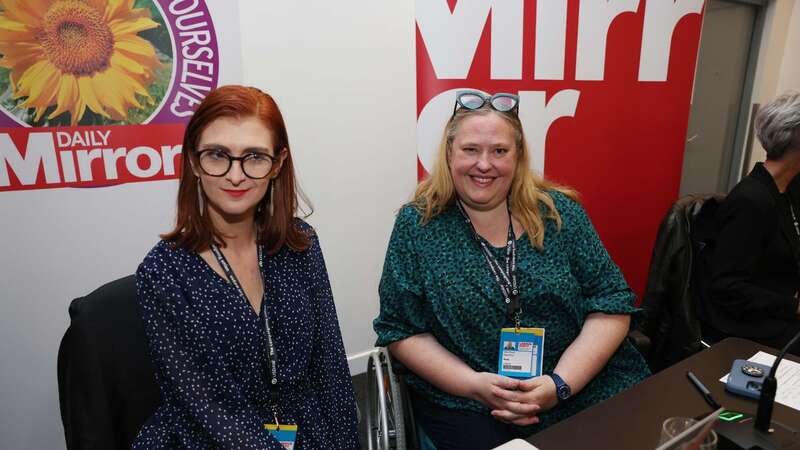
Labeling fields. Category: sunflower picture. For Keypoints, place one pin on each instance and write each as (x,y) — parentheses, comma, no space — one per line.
(83,62)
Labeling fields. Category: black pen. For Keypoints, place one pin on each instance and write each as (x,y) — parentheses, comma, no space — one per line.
(703,390)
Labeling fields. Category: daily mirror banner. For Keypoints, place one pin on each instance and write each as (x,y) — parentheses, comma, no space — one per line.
(94,97)
(97,92)
(604,87)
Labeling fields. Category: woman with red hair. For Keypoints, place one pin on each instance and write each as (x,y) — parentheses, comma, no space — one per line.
(236,300)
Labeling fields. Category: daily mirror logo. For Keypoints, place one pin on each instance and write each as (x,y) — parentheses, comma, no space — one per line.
(98,93)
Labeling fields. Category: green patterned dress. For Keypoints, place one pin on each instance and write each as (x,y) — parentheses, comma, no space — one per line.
(435,280)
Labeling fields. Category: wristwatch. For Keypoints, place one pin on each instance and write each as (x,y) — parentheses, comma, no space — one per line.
(563,391)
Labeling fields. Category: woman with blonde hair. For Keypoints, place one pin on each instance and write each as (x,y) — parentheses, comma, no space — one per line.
(497,292)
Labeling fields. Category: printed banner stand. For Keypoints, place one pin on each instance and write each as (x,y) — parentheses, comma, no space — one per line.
(604,89)
(98,93)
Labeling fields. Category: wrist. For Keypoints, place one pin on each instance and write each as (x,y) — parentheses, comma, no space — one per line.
(468,387)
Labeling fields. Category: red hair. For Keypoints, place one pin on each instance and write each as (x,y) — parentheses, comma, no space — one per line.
(275,222)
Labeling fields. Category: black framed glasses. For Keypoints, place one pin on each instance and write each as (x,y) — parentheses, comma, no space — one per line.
(471,99)
(216,163)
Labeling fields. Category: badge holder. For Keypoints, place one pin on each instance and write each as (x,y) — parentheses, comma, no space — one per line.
(521,352)
(521,349)
(285,434)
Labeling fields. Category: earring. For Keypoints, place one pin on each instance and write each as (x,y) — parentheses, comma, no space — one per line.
(271,197)
(200,202)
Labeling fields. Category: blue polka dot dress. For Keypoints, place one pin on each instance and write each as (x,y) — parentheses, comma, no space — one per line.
(208,347)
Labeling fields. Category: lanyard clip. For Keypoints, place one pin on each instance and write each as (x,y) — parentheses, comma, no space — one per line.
(517,321)
(275,415)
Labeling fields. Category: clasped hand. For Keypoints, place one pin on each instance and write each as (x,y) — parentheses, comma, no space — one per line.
(518,402)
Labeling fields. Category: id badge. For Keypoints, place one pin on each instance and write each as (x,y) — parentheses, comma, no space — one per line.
(285,434)
(521,351)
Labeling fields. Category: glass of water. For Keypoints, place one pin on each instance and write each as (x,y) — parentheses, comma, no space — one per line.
(674,426)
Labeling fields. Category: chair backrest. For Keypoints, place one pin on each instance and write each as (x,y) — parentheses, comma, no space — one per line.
(106,380)
(671,321)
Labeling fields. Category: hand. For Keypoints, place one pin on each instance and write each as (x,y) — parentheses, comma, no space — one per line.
(539,391)
(484,387)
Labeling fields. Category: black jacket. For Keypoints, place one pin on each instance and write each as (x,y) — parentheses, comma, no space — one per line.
(106,381)
(752,273)
(671,322)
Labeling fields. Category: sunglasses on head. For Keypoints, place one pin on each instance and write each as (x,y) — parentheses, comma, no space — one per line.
(472,100)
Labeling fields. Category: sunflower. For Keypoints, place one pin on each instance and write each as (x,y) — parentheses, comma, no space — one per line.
(77,54)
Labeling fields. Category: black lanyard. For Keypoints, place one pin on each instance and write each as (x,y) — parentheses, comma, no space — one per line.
(272,367)
(797,232)
(506,278)
(794,220)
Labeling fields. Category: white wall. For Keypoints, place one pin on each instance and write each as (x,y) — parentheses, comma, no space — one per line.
(343,74)
(778,68)
(789,77)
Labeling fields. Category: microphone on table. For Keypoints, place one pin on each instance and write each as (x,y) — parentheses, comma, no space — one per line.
(763,434)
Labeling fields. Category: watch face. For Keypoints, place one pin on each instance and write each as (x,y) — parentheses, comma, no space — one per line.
(563,392)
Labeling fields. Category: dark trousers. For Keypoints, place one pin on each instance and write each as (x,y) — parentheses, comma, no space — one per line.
(452,429)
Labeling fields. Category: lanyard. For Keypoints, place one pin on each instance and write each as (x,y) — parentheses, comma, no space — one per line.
(797,231)
(794,219)
(272,367)
(506,279)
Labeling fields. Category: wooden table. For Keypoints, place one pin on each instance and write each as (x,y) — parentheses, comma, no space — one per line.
(632,419)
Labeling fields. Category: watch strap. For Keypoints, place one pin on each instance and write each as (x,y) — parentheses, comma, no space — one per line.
(563,391)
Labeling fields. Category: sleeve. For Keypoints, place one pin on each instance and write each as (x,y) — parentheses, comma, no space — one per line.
(188,366)
(403,308)
(743,229)
(603,287)
(328,370)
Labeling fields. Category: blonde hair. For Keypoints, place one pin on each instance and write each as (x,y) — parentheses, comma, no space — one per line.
(527,193)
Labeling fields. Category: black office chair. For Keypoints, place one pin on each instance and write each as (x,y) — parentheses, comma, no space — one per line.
(106,380)
(671,324)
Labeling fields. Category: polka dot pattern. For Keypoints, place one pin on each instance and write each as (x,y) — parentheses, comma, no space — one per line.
(208,347)
(436,280)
